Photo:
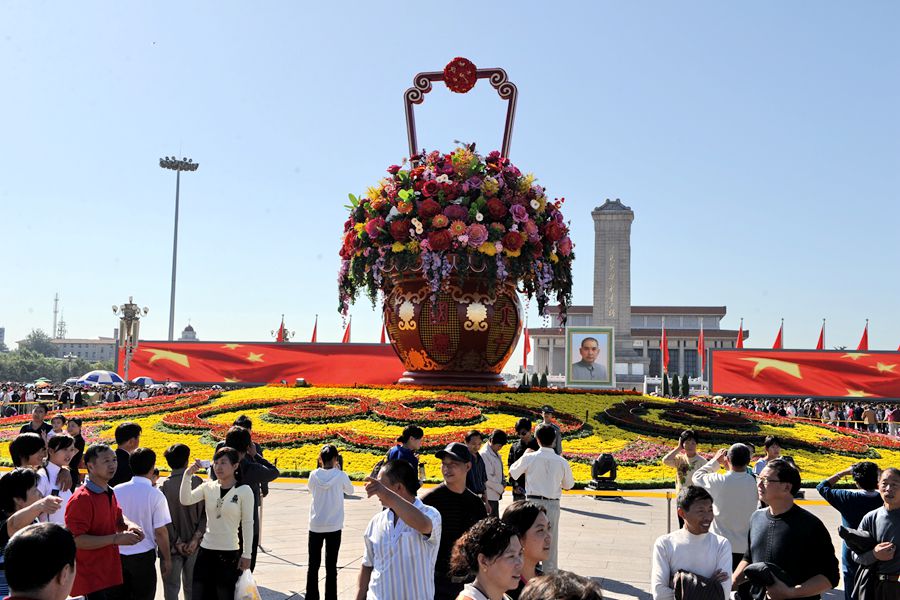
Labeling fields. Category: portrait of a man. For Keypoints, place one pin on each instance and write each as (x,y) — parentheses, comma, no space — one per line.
(589,353)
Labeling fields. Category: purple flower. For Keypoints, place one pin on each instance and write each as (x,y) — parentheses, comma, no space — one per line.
(519,213)
(455,212)
(478,234)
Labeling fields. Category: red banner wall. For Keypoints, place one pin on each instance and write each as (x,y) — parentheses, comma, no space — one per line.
(250,362)
(805,373)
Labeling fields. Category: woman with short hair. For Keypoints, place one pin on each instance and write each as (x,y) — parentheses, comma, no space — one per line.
(489,557)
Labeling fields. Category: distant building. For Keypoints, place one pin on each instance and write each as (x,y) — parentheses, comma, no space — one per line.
(638,329)
(2,336)
(188,334)
(100,349)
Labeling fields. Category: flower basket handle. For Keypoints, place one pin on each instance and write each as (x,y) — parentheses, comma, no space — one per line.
(460,76)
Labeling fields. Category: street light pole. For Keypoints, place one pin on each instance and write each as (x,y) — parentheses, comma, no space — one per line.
(129,328)
(174,164)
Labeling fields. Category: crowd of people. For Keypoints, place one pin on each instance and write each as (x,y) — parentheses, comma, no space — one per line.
(873,418)
(19,398)
(742,532)
(113,526)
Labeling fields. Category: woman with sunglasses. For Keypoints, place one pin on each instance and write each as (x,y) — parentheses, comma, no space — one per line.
(229,508)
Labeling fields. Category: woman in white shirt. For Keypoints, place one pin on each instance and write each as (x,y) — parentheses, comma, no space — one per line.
(489,556)
(60,451)
(229,506)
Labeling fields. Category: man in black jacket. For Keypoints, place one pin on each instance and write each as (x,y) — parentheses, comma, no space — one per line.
(789,537)
(526,442)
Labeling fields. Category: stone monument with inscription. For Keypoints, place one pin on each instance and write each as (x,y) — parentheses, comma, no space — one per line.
(612,286)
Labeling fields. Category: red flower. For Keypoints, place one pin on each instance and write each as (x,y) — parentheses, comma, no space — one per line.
(428,208)
(513,241)
(440,240)
(400,230)
(431,188)
(455,212)
(538,250)
(393,169)
(496,208)
(556,231)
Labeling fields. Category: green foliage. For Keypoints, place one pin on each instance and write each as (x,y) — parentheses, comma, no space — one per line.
(665,386)
(38,341)
(543,382)
(28,365)
(676,386)
(685,387)
(535,382)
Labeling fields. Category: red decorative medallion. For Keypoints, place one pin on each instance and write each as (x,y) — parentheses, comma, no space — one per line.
(459,75)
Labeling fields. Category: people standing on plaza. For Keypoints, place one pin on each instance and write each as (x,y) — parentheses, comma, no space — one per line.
(60,450)
(402,541)
(495,484)
(459,509)
(773,446)
(95,519)
(789,537)
(893,420)
(327,486)
(547,474)
(408,445)
(853,505)
(37,424)
(229,510)
(883,524)
(36,574)
(73,427)
(734,496)
(128,439)
(525,442)
(684,459)
(870,419)
(693,549)
(476,478)
(255,473)
(187,527)
(488,557)
(143,504)
(21,505)
(533,528)
(547,413)
(247,423)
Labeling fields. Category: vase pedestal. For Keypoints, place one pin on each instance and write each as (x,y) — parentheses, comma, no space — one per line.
(452,378)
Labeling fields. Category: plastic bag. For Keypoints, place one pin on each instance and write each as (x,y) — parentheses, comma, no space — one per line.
(246,589)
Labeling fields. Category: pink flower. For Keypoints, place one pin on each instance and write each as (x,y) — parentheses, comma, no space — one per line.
(532,231)
(519,213)
(478,235)
(373,226)
(564,246)
(439,221)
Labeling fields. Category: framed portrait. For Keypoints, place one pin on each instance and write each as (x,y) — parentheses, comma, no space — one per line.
(590,359)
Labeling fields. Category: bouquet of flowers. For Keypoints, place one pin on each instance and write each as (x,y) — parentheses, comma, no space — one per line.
(457,215)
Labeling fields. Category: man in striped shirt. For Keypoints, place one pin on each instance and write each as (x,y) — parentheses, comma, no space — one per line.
(401,541)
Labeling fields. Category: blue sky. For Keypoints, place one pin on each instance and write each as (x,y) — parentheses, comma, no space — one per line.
(758,145)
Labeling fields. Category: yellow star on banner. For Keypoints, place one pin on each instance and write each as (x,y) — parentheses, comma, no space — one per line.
(857,393)
(175,357)
(883,368)
(232,346)
(854,355)
(230,380)
(254,357)
(792,369)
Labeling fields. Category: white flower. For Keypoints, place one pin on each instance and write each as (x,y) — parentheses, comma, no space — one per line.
(479,217)
(443,179)
(535,204)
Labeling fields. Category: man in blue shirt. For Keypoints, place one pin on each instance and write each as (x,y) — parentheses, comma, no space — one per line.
(410,441)
(853,506)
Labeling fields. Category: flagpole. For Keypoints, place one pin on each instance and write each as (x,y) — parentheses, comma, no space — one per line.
(662,361)
(823,334)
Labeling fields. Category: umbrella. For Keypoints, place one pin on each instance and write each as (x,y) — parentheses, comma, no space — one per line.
(101,377)
(173,385)
(42,384)
(71,381)
(42,380)
(142,381)
(29,386)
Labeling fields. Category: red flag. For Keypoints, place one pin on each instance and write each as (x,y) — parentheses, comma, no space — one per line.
(864,340)
(820,345)
(664,349)
(701,351)
(346,339)
(315,330)
(740,338)
(779,339)
(382,333)
(527,349)
(280,336)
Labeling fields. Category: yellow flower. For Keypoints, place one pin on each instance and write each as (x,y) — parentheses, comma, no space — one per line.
(513,253)
(488,248)
(398,247)
(373,193)
(490,187)
(359,227)
(553,257)
(412,246)
(525,183)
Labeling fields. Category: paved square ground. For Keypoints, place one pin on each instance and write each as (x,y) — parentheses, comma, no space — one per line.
(608,540)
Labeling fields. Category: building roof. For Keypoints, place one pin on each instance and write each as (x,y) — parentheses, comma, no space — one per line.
(613,205)
(102,340)
(188,328)
(642,332)
(716,311)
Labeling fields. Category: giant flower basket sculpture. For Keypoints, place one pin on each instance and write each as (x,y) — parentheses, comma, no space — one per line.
(450,240)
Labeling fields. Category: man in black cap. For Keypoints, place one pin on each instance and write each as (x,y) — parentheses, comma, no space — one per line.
(459,508)
(546,414)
